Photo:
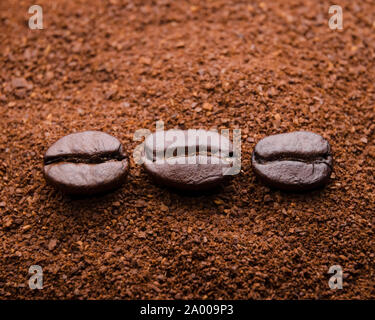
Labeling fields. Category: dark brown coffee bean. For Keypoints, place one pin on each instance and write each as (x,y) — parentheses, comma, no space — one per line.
(188,160)
(295,161)
(86,163)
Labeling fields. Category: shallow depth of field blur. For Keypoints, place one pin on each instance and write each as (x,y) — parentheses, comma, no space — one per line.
(264,67)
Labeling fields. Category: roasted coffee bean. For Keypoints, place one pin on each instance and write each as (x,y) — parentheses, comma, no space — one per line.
(295,161)
(188,160)
(86,163)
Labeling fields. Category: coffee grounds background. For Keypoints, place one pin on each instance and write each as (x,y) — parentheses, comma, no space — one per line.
(119,66)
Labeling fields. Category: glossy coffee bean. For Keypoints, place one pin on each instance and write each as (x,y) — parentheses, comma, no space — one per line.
(295,161)
(188,160)
(86,163)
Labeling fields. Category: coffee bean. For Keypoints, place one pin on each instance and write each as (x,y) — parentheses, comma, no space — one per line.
(295,161)
(188,160)
(86,163)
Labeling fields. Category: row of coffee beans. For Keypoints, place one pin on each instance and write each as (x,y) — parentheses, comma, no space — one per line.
(94,162)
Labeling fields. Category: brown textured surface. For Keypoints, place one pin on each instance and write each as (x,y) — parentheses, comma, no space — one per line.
(265,67)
